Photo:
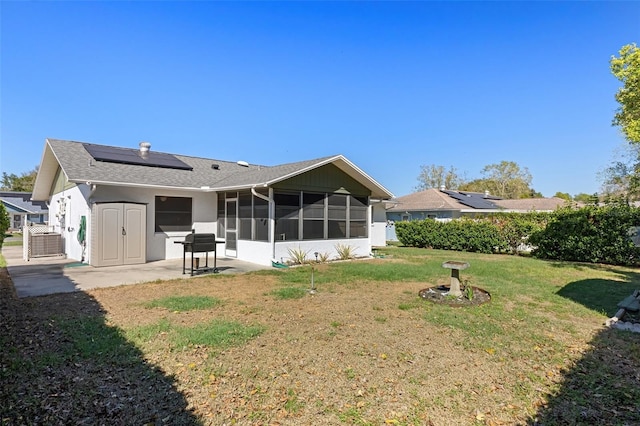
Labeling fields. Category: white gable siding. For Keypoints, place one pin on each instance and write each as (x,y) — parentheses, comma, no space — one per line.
(67,224)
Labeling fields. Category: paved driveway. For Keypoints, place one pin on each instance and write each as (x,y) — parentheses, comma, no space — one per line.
(55,274)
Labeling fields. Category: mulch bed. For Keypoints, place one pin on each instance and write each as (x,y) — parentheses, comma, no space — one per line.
(439,294)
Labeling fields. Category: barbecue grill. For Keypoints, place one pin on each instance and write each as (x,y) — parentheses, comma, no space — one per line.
(199,243)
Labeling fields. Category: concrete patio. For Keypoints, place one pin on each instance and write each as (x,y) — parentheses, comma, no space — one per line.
(56,274)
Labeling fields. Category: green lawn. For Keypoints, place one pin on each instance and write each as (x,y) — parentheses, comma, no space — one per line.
(540,337)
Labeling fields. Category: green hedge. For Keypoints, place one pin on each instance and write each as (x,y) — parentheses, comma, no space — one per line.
(515,228)
(497,233)
(596,234)
(460,235)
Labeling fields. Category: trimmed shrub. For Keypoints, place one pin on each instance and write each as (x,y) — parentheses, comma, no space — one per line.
(595,234)
(461,235)
(516,228)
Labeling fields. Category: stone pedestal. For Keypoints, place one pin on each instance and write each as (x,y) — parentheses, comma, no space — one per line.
(456,267)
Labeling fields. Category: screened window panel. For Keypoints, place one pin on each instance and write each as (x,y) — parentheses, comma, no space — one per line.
(313,206)
(312,229)
(171,222)
(262,229)
(286,199)
(221,229)
(244,206)
(357,229)
(285,212)
(359,201)
(287,229)
(245,229)
(173,214)
(337,229)
(313,212)
(260,208)
(337,213)
(337,200)
(231,215)
(358,214)
(261,219)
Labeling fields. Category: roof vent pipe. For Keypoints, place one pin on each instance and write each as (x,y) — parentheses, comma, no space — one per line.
(144,149)
(486,193)
(442,187)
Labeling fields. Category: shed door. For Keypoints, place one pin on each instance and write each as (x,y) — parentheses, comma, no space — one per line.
(134,240)
(121,234)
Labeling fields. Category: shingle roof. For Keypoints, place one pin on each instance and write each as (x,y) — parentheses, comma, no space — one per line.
(21,201)
(429,199)
(532,204)
(79,166)
(434,199)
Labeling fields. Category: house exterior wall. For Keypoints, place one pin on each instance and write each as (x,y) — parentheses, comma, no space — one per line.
(161,245)
(377,231)
(252,251)
(65,209)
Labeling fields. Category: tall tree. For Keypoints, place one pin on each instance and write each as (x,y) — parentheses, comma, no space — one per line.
(622,178)
(432,176)
(626,68)
(5,222)
(478,185)
(22,183)
(505,179)
(586,198)
(563,195)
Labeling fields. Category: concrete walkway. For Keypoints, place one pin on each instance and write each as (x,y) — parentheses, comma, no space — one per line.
(56,274)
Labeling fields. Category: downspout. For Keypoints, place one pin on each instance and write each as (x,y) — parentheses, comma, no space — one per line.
(87,251)
(272,225)
(92,190)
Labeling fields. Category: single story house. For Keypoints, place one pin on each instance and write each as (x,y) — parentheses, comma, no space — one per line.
(115,205)
(444,205)
(23,210)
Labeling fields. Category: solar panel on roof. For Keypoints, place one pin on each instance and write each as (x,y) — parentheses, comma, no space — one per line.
(474,200)
(111,154)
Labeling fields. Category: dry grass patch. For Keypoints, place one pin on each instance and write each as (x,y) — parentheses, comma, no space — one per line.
(363,350)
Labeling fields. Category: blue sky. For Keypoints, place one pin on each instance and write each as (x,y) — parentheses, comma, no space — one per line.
(390,85)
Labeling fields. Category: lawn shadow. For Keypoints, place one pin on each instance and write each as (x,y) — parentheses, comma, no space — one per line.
(602,388)
(602,295)
(62,363)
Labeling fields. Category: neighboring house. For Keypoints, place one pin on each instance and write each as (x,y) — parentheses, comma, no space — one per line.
(133,205)
(23,210)
(444,205)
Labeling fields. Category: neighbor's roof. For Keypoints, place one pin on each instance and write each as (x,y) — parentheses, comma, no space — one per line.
(429,199)
(531,204)
(80,167)
(435,199)
(20,202)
